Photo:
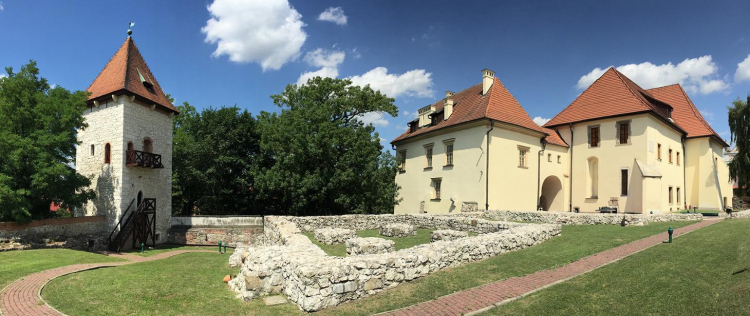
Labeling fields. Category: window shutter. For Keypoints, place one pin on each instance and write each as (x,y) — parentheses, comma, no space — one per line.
(589,129)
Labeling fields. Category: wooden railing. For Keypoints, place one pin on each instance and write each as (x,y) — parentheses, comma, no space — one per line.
(137,158)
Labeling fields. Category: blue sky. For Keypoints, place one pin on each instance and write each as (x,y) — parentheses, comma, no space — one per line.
(544,52)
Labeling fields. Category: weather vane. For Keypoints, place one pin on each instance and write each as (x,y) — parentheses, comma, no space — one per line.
(129,26)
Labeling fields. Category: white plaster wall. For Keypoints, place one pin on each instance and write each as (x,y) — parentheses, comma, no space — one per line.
(672,173)
(142,122)
(105,125)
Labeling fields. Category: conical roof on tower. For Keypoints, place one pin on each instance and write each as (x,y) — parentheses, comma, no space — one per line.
(125,72)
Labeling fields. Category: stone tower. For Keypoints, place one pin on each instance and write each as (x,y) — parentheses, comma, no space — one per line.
(127,146)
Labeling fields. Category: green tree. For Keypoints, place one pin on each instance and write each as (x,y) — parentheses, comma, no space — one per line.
(318,157)
(739,125)
(212,155)
(38,145)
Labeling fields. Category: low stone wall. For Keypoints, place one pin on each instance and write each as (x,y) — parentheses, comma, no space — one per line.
(72,226)
(291,264)
(589,218)
(369,245)
(217,221)
(210,230)
(470,222)
(739,215)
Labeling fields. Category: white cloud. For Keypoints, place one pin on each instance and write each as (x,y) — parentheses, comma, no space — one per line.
(415,82)
(374,118)
(694,74)
(540,120)
(52,86)
(329,62)
(267,32)
(356,54)
(324,58)
(335,15)
(743,70)
(709,116)
(410,115)
(1,6)
(325,72)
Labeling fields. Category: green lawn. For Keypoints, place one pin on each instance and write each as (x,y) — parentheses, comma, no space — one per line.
(706,272)
(167,248)
(190,284)
(18,263)
(339,250)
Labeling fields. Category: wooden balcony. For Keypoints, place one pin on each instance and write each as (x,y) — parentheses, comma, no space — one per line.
(136,158)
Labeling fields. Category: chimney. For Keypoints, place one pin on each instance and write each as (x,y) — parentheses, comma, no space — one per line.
(448,106)
(488,77)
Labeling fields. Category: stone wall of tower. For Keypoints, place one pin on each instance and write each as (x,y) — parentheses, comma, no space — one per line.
(105,125)
(141,122)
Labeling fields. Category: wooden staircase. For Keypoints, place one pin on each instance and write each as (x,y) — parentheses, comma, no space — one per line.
(141,224)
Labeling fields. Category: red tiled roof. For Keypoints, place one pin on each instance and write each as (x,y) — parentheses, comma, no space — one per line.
(684,112)
(611,95)
(498,104)
(123,72)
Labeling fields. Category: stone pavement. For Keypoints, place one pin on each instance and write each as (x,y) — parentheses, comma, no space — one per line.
(23,296)
(485,297)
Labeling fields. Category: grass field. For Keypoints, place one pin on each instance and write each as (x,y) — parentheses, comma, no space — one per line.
(706,272)
(190,284)
(18,263)
(339,250)
(167,248)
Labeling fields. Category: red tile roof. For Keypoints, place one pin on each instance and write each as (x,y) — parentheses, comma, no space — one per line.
(612,94)
(498,104)
(123,73)
(685,114)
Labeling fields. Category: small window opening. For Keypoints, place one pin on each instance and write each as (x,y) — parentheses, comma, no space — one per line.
(107,153)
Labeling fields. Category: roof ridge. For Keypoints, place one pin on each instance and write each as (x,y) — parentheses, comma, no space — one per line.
(640,98)
(502,86)
(151,76)
(696,112)
(127,62)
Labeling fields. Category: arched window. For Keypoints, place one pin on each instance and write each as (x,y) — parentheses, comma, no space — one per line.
(107,153)
(130,146)
(148,145)
(592,180)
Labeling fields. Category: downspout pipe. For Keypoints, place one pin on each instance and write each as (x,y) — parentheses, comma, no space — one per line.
(684,172)
(487,170)
(570,175)
(542,141)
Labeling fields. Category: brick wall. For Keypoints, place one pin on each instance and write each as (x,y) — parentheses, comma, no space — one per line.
(209,230)
(88,225)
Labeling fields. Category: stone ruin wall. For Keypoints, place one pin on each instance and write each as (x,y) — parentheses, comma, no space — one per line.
(589,218)
(291,264)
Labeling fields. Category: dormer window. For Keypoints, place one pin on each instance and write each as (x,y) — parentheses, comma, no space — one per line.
(146,81)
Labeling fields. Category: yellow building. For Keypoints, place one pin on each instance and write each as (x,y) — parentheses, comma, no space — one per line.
(616,145)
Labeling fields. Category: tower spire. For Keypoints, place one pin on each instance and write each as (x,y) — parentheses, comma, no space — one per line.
(130,32)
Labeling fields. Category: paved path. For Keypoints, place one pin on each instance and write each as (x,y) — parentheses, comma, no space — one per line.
(485,297)
(23,296)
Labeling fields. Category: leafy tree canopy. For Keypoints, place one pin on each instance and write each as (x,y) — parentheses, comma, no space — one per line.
(38,145)
(318,157)
(212,156)
(739,125)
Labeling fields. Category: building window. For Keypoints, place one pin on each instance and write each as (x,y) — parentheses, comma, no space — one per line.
(148,145)
(107,153)
(658,152)
(670,155)
(670,195)
(401,160)
(623,132)
(624,182)
(437,184)
(678,195)
(594,136)
(523,153)
(549,157)
(413,126)
(559,159)
(428,155)
(678,159)
(592,181)
(92,150)
(448,152)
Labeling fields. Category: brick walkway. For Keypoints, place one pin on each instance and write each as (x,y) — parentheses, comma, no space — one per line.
(23,296)
(482,298)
